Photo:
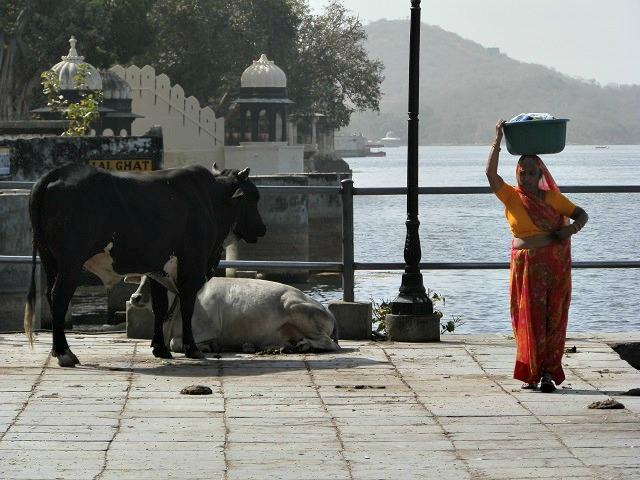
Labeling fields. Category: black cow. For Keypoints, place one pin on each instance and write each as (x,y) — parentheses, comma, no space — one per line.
(114,224)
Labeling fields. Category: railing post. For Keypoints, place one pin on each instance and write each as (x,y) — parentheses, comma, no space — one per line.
(347,241)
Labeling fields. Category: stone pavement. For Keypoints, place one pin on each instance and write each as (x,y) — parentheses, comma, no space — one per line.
(373,411)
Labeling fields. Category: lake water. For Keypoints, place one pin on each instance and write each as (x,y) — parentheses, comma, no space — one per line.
(472,228)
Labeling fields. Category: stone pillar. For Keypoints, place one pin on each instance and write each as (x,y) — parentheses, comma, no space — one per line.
(314,135)
(292,127)
(243,126)
(255,118)
(271,115)
(285,124)
(354,319)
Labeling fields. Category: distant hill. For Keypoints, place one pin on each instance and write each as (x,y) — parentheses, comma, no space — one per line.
(465,88)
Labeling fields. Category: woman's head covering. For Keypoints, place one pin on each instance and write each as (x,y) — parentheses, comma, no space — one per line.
(541,214)
(546,181)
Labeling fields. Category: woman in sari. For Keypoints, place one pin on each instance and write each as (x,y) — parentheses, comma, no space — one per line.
(540,274)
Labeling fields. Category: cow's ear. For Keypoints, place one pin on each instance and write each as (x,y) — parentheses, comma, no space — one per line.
(238,193)
(214,168)
(243,174)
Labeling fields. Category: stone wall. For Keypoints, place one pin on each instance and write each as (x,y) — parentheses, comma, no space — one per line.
(15,239)
(287,220)
(266,158)
(304,227)
(31,158)
(325,218)
(192,134)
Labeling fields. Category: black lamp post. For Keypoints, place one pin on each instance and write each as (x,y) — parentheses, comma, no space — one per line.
(413,299)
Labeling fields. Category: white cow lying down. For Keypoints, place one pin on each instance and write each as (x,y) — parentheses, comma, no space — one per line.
(232,312)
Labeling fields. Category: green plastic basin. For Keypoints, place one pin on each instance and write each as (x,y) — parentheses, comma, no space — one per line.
(533,137)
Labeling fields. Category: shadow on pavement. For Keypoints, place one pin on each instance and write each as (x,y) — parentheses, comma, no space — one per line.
(232,365)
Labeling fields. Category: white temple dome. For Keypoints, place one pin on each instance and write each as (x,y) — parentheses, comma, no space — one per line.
(67,70)
(263,74)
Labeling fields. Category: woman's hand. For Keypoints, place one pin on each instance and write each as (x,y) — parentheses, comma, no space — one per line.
(564,232)
(499,127)
(491,168)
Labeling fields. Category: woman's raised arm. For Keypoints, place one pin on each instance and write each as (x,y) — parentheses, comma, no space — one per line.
(495,180)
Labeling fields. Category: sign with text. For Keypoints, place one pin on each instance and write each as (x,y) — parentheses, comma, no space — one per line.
(5,161)
(123,165)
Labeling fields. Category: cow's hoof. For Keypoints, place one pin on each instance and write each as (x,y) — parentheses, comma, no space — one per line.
(73,357)
(193,352)
(162,352)
(67,360)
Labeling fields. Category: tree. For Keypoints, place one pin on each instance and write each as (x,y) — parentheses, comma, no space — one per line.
(82,112)
(31,40)
(331,72)
(205,45)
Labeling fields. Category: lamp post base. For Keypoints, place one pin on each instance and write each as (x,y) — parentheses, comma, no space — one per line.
(413,328)
(413,298)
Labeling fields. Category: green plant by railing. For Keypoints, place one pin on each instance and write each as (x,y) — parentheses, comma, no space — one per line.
(379,311)
(82,113)
(381,308)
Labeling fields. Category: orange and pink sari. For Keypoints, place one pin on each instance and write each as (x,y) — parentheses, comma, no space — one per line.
(540,288)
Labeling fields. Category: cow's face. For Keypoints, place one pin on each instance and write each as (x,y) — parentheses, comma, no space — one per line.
(249,225)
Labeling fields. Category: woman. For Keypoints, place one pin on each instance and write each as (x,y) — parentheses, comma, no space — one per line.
(540,278)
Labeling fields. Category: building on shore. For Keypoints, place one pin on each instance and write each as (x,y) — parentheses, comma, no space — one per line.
(356,145)
(258,132)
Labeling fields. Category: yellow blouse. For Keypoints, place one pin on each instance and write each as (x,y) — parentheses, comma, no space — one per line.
(520,224)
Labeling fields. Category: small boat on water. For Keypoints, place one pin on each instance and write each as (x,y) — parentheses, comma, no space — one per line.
(390,140)
(378,153)
(602,146)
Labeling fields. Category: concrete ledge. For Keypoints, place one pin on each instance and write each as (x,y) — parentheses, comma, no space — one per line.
(12,312)
(117,298)
(140,322)
(354,319)
(413,328)
(629,352)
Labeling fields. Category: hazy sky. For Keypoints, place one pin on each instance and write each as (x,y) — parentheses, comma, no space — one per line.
(596,39)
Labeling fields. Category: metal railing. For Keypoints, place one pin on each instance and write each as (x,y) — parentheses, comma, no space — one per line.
(348,265)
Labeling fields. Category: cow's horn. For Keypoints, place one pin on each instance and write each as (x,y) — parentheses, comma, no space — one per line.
(243,174)
(214,167)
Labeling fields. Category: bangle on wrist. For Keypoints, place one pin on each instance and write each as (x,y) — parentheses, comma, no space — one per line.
(496,145)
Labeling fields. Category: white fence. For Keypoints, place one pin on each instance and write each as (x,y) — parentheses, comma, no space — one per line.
(192,134)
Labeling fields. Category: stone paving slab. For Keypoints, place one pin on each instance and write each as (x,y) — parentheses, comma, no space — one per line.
(447,410)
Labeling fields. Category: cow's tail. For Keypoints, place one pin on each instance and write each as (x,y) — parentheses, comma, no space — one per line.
(36,203)
(29,308)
